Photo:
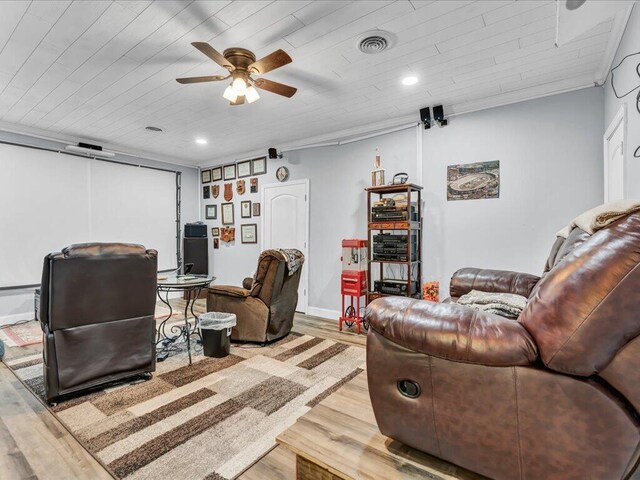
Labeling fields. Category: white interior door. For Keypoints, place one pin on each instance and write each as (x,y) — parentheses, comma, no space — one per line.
(285,224)
(614,143)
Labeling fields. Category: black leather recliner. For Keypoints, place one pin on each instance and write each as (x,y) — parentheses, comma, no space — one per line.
(97,312)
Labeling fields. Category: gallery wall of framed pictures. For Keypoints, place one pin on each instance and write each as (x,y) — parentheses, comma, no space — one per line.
(241,169)
(231,202)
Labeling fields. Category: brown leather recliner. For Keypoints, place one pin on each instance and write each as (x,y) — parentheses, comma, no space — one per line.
(552,395)
(97,312)
(265,305)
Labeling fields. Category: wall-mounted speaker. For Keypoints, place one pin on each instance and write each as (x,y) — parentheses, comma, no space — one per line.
(438,115)
(273,153)
(425,117)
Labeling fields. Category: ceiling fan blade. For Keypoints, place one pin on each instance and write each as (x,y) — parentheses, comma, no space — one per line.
(213,54)
(275,87)
(272,61)
(239,101)
(212,78)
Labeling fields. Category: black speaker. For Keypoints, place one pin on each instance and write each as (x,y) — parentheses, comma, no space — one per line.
(425,117)
(90,146)
(438,113)
(196,251)
(273,153)
(197,229)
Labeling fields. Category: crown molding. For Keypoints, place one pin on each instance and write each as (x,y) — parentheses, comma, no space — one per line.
(67,139)
(326,139)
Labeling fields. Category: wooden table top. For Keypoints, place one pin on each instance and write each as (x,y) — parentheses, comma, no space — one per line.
(341,435)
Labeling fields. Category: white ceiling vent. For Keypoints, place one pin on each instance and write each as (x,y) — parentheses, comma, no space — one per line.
(375,41)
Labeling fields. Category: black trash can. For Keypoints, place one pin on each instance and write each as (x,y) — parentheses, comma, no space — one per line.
(215,330)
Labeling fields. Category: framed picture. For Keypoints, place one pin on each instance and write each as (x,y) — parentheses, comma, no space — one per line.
(215,232)
(473,181)
(227,214)
(254,185)
(249,233)
(206,191)
(245,209)
(256,209)
(259,166)
(244,169)
(205,176)
(216,174)
(216,243)
(230,171)
(211,212)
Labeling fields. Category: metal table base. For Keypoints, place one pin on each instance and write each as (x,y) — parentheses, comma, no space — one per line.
(171,341)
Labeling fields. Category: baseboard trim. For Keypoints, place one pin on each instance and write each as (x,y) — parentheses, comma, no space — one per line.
(17,317)
(323,313)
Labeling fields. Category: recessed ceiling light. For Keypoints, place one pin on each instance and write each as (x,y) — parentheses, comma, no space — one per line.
(201,141)
(409,80)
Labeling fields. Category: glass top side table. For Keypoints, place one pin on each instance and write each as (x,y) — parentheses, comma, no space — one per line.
(171,341)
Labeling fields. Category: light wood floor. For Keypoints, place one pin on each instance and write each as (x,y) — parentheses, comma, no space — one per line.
(35,445)
(341,437)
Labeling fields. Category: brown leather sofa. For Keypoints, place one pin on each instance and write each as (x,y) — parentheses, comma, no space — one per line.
(552,395)
(97,306)
(264,305)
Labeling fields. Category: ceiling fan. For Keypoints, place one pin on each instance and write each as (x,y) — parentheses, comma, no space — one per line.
(242,64)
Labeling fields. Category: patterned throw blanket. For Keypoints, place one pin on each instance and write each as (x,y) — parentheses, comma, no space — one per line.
(507,305)
(599,217)
(294,258)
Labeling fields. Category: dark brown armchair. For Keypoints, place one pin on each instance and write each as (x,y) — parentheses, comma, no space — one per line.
(97,312)
(552,395)
(265,305)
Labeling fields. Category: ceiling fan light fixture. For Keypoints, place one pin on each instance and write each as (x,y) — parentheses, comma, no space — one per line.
(239,86)
(230,94)
(251,94)
(240,64)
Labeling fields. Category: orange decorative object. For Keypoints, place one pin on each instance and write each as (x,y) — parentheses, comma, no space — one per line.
(228,234)
(431,291)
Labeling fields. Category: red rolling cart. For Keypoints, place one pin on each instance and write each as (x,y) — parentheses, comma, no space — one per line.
(353,282)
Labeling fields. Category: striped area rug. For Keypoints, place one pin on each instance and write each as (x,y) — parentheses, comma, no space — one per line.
(211,420)
(22,334)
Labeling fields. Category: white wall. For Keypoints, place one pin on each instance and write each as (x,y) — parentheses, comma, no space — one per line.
(551,168)
(337,178)
(630,44)
(550,153)
(17,305)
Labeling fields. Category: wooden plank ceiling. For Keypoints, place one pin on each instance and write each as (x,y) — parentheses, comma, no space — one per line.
(103,70)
